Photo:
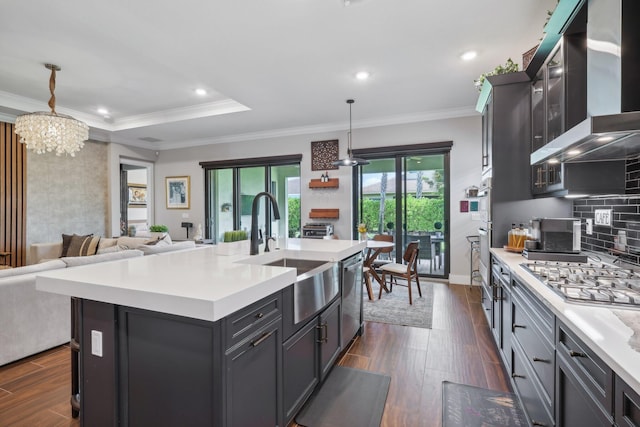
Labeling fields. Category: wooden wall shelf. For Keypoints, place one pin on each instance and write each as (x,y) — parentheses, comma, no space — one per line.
(325,213)
(332,183)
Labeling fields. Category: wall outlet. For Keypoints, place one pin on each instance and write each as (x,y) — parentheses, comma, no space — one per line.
(589,226)
(96,343)
(185,215)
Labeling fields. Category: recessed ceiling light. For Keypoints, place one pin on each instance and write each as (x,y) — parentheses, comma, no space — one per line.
(553,161)
(573,152)
(362,75)
(468,56)
(201,92)
(103,111)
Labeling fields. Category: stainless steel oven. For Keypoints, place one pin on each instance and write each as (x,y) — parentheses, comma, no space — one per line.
(484,232)
(485,229)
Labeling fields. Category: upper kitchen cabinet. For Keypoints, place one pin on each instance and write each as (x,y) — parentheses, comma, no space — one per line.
(558,88)
(585,91)
(506,131)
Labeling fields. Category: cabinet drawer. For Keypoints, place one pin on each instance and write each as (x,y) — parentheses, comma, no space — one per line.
(544,320)
(501,271)
(538,351)
(596,376)
(243,323)
(529,389)
(627,405)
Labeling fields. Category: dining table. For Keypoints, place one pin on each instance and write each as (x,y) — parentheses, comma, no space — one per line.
(374,247)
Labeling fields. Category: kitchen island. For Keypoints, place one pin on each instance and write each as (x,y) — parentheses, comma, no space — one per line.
(196,338)
(577,364)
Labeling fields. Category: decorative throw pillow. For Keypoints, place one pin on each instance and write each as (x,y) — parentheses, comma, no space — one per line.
(106,242)
(79,245)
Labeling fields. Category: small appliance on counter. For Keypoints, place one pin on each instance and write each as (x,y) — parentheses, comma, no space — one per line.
(557,239)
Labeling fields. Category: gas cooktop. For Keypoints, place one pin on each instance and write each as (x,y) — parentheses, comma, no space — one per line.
(589,283)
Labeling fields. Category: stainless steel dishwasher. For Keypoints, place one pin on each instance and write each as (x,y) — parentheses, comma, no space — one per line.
(351,284)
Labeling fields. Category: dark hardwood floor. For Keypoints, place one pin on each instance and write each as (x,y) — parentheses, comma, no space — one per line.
(459,348)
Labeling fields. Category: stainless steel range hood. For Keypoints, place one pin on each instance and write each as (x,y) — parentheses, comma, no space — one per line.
(611,130)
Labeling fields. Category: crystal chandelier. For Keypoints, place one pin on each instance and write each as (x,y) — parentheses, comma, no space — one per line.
(46,132)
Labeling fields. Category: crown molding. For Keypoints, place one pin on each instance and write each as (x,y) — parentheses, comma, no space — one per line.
(451,113)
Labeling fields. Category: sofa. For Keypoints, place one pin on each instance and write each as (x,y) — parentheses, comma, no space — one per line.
(39,252)
(32,321)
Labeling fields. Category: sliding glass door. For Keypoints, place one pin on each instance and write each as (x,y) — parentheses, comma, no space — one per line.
(406,195)
(230,192)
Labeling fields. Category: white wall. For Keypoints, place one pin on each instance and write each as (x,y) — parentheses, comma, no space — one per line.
(465,171)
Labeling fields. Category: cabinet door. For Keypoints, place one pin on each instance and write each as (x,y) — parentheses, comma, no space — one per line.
(253,383)
(329,337)
(574,406)
(627,405)
(505,325)
(300,358)
(555,95)
(538,122)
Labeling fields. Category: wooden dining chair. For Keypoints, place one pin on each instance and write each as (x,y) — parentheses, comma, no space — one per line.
(366,274)
(378,262)
(408,270)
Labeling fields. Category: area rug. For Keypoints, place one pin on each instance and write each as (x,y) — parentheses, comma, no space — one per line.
(469,406)
(394,307)
(349,397)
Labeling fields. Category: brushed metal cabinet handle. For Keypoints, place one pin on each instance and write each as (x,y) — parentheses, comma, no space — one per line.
(261,339)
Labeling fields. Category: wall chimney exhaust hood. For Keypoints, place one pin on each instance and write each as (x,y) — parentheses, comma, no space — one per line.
(611,130)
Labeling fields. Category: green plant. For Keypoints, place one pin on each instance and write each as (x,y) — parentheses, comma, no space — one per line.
(508,67)
(159,228)
(235,235)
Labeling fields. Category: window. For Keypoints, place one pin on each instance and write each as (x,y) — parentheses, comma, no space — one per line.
(231,186)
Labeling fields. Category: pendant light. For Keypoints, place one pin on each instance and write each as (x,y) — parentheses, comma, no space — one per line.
(350,160)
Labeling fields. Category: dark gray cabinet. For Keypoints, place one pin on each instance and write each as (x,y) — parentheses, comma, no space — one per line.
(627,405)
(505,106)
(253,379)
(584,395)
(301,358)
(329,339)
(560,381)
(533,355)
(308,356)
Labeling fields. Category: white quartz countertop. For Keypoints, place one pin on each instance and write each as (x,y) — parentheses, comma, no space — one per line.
(198,283)
(609,332)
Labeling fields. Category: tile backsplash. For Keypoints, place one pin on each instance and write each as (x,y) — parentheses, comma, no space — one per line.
(625,217)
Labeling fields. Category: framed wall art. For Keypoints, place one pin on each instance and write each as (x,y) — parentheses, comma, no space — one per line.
(178,192)
(323,153)
(137,194)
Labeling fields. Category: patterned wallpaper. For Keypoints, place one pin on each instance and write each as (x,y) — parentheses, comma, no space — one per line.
(625,216)
(67,194)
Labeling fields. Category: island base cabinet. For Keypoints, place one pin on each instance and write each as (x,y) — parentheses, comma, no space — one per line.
(301,373)
(627,405)
(164,359)
(329,339)
(252,375)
